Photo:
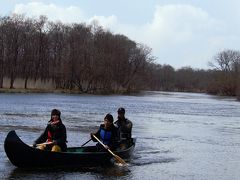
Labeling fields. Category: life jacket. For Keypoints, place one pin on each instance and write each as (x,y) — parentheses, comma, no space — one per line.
(105,136)
(49,136)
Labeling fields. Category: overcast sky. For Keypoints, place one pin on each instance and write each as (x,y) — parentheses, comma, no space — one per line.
(180,32)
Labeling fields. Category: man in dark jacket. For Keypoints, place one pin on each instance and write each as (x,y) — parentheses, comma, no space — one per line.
(54,137)
(124,127)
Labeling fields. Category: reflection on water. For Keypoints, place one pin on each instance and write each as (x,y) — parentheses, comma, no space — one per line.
(179,135)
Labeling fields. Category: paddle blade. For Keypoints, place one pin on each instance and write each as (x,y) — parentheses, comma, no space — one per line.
(119,160)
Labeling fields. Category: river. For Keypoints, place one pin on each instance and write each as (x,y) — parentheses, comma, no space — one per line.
(179,135)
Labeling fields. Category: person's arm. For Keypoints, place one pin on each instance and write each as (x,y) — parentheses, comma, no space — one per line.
(42,138)
(114,139)
(97,134)
(63,136)
(128,126)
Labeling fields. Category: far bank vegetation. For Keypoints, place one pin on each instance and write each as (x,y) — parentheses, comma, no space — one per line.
(40,54)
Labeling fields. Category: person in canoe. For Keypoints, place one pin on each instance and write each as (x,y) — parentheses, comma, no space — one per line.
(107,134)
(124,127)
(54,137)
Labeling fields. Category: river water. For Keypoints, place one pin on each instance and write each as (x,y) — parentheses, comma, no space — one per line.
(179,135)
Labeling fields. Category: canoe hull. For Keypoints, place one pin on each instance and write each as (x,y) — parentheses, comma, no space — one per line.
(22,155)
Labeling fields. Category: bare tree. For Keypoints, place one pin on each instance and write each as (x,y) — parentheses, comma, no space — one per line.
(226,77)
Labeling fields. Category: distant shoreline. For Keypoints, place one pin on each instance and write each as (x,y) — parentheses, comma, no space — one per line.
(18,90)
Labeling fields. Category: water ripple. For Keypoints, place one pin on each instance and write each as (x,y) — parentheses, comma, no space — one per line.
(159,160)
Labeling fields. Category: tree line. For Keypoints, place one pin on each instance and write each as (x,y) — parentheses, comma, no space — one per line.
(89,59)
(222,79)
(75,56)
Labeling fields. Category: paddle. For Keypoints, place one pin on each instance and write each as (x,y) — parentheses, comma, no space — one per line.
(86,142)
(120,160)
(45,143)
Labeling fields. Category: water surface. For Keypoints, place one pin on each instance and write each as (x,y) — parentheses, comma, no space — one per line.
(179,135)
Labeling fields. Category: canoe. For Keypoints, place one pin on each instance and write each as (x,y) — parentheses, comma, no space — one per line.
(23,155)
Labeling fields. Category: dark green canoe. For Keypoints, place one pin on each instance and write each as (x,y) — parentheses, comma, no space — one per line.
(23,155)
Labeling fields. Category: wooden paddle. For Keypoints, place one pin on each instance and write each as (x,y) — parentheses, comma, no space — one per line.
(86,142)
(45,143)
(120,160)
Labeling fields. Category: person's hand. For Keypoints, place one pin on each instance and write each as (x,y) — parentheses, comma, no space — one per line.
(106,147)
(34,145)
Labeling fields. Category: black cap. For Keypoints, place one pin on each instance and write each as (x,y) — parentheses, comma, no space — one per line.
(121,110)
(109,117)
(55,112)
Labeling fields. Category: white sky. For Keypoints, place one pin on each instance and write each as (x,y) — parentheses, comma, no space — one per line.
(180,32)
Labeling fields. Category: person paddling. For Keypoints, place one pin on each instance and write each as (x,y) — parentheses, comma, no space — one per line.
(54,137)
(107,133)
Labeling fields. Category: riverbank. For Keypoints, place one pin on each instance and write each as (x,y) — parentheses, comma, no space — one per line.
(67,91)
(75,91)
(17,90)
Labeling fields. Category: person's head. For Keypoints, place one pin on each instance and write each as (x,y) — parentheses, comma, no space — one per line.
(121,112)
(55,114)
(108,120)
